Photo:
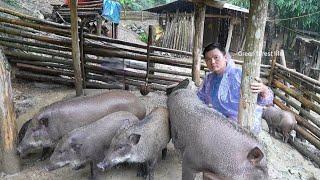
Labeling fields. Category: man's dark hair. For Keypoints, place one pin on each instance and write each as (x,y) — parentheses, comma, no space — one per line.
(212,46)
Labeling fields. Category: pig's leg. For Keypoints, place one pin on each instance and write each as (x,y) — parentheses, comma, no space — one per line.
(46,153)
(142,170)
(95,173)
(285,136)
(164,153)
(150,168)
(187,172)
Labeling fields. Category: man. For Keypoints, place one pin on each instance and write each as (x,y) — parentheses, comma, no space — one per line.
(221,87)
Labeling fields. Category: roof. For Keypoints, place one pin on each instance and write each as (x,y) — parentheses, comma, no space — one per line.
(187,6)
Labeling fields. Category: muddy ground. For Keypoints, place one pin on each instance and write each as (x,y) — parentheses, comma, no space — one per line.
(284,162)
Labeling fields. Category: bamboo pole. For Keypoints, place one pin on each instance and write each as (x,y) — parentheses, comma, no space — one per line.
(110,40)
(29,57)
(19,27)
(35,50)
(300,87)
(58,80)
(42,64)
(304,151)
(298,108)
(41,21)
(45,28)
(76,48)
(301,82)
(309,137)
(36,44)
(44,70)
(130,73)
(306,78)
(294,94)
(62,41)
(10,160)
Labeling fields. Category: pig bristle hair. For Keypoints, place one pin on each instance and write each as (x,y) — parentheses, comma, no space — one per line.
(205,109)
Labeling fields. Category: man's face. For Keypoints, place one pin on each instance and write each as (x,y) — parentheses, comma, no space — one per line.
(216,61)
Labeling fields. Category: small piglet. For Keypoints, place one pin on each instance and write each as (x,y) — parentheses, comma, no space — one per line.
(282,121)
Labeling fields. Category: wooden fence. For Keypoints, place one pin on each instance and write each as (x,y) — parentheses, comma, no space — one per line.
(41,51)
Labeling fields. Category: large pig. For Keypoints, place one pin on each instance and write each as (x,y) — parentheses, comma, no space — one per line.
(209,142)
(282,121)
(140,143)
(87,144)
(56,120)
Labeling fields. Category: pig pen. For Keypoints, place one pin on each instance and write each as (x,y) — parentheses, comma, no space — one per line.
(284,162)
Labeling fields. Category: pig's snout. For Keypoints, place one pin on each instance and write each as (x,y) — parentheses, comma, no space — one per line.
(104,165)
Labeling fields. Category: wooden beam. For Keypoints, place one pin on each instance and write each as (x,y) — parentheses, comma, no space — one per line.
(10,160)
(76,48)
(199,17)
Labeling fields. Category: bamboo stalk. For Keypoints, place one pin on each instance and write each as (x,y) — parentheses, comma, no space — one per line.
(35,50)
(298,108)
(41,21)
(42,64)
(19,27)
(306,78)
(119,54)
(36,44)
(304,151)
(309,137)
(110,40)
(294,94)
(45,28)
(44,70)
(29,57)
(62,42)
(130,73)
(301,82)
(300,87)
(58,80)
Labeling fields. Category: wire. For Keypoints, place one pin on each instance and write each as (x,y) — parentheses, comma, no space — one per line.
(297,17)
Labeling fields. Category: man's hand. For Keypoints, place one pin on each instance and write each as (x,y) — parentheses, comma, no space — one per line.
(259,87)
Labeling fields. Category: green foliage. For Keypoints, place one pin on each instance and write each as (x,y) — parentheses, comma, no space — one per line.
(137,5)
(293,8)
(143,37)
(13,3)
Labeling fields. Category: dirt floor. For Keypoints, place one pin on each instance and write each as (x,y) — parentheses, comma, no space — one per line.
(284,162)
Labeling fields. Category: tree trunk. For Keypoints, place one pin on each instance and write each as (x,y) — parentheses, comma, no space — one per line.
(270,32)
(251,66)
(10,160)
(199,16)
(75,48)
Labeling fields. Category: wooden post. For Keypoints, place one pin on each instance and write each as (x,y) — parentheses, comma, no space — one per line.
(251,66)
(10,160)
(75,48)
(82,58)
(232,22)
(200,10)
(149,50)
(99,25)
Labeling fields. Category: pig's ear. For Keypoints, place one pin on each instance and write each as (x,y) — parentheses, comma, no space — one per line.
(44,121)
(134,138)
(255,156)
